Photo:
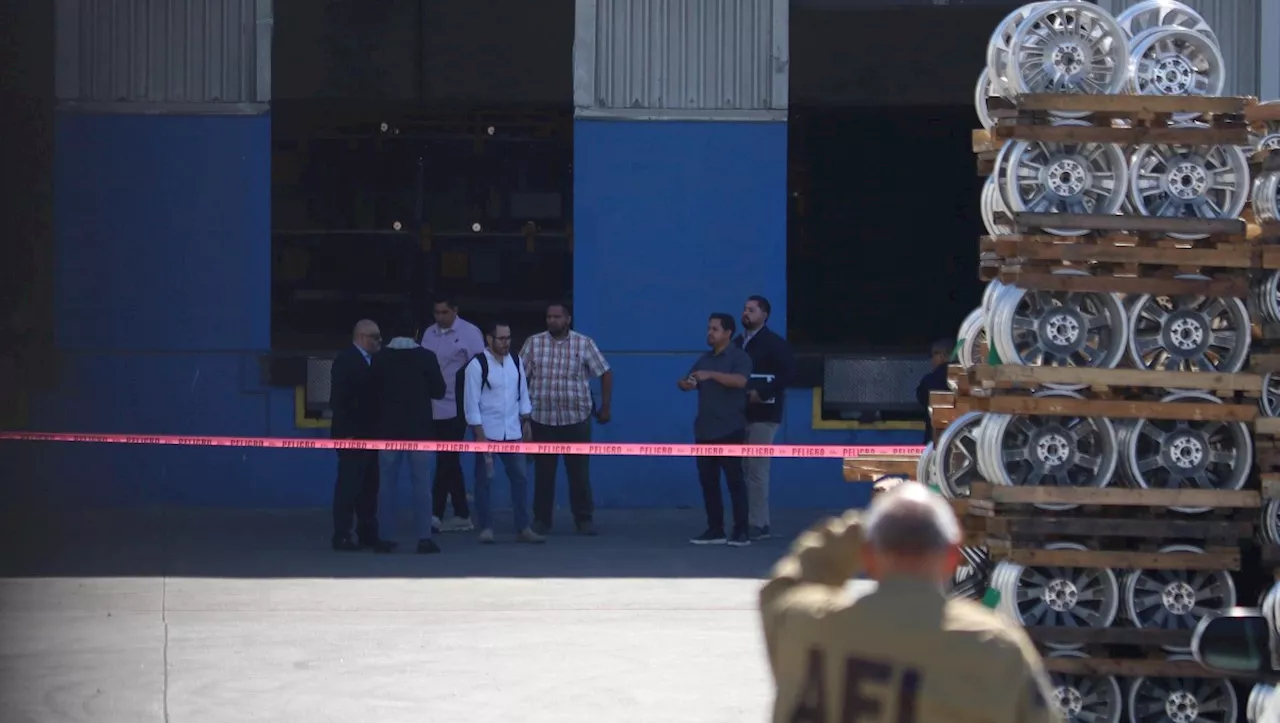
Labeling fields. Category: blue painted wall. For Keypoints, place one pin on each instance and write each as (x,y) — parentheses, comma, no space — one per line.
(163,307)
(672,221)
(162,299)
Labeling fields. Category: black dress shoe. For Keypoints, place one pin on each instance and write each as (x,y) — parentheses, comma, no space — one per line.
(428,547)
(345,544)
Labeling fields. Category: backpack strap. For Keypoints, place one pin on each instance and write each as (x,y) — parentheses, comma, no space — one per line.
(519,387)
(484,373)
(484,369)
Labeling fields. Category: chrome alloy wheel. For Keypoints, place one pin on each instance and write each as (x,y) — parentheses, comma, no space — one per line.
(955,458)
(1058,328)
(1154,14)
(1172,181)
(1067,47)
(1086,698)
(1034,450)
(1182,700)
(1076,597)
(1189,333)
(1178,62)
(1046,177)
(1176,599)
(1186,454)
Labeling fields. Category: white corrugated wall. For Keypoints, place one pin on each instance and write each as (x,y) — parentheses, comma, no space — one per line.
(680,57)
(210,55)
(1237,23)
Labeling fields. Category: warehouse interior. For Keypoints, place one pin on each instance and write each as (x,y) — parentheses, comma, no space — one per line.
(424,146)
(883,214)
(418,147)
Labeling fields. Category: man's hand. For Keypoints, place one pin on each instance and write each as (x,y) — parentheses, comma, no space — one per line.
(603,416)
(686,385)
(703,375)
(478,431)
(526,430)
(754,397)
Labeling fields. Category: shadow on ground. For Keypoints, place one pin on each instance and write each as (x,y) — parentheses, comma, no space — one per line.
(294,544)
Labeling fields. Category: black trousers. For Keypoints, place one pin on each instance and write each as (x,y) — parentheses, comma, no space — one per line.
(709,469)
(355,494)
(449,483)
(576,466)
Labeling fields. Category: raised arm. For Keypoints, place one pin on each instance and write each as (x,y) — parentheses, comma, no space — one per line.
(739,372)
(809,580)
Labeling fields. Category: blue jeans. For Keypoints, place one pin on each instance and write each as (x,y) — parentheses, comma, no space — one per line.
(515,466)
(420,474)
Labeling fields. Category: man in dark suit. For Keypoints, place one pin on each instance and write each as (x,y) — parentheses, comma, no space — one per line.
(772,368)
(355,494)
(406,378)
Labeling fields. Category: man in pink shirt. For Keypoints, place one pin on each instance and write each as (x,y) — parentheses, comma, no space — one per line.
(455,342)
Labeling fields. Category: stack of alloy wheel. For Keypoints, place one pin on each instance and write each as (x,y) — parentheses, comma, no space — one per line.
(1079,320)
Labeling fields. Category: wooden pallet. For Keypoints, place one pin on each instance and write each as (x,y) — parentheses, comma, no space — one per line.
(1035,126)
(1132,256)
(1012,529)
(873,467)
(1148,109)
(986,499)
(1101,524)
(1213,558)
(1148,119)
(1259,161)
(1258,114)
(1103,382)
(1101,241)
(1027,222)
(1027,405)
(943,410)
(1236,287)
(1113,636)
(1135,668)
(996,501)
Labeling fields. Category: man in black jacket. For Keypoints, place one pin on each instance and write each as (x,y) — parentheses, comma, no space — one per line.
(355,494)
(406,378)
(934,381)
(772,368)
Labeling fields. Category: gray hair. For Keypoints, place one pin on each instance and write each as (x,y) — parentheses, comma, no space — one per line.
(911,520)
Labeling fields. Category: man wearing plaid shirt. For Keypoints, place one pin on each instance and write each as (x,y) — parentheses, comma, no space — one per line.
(560,363)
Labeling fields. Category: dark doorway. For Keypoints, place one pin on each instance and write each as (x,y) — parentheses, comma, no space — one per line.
(884,218)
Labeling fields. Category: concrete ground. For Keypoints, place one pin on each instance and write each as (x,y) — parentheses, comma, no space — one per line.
(208,616)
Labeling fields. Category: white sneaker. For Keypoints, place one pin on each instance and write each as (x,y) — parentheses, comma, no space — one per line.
(457,524)
(435,525)
(486,537)
(528,535)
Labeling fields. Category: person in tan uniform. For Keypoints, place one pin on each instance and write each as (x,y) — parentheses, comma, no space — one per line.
(899,652)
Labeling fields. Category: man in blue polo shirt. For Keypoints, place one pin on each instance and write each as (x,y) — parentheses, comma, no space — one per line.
(720,376)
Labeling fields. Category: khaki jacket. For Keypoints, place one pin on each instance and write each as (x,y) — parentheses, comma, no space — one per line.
(900,653)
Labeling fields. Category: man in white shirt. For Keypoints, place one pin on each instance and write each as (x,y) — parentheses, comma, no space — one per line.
(495,398)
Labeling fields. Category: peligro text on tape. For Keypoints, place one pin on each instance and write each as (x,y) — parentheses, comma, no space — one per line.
(814,451)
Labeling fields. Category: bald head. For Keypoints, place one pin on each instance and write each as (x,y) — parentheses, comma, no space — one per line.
(911,521)
(367,336)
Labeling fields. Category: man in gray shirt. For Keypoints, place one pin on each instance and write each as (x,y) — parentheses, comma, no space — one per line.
(720,376)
